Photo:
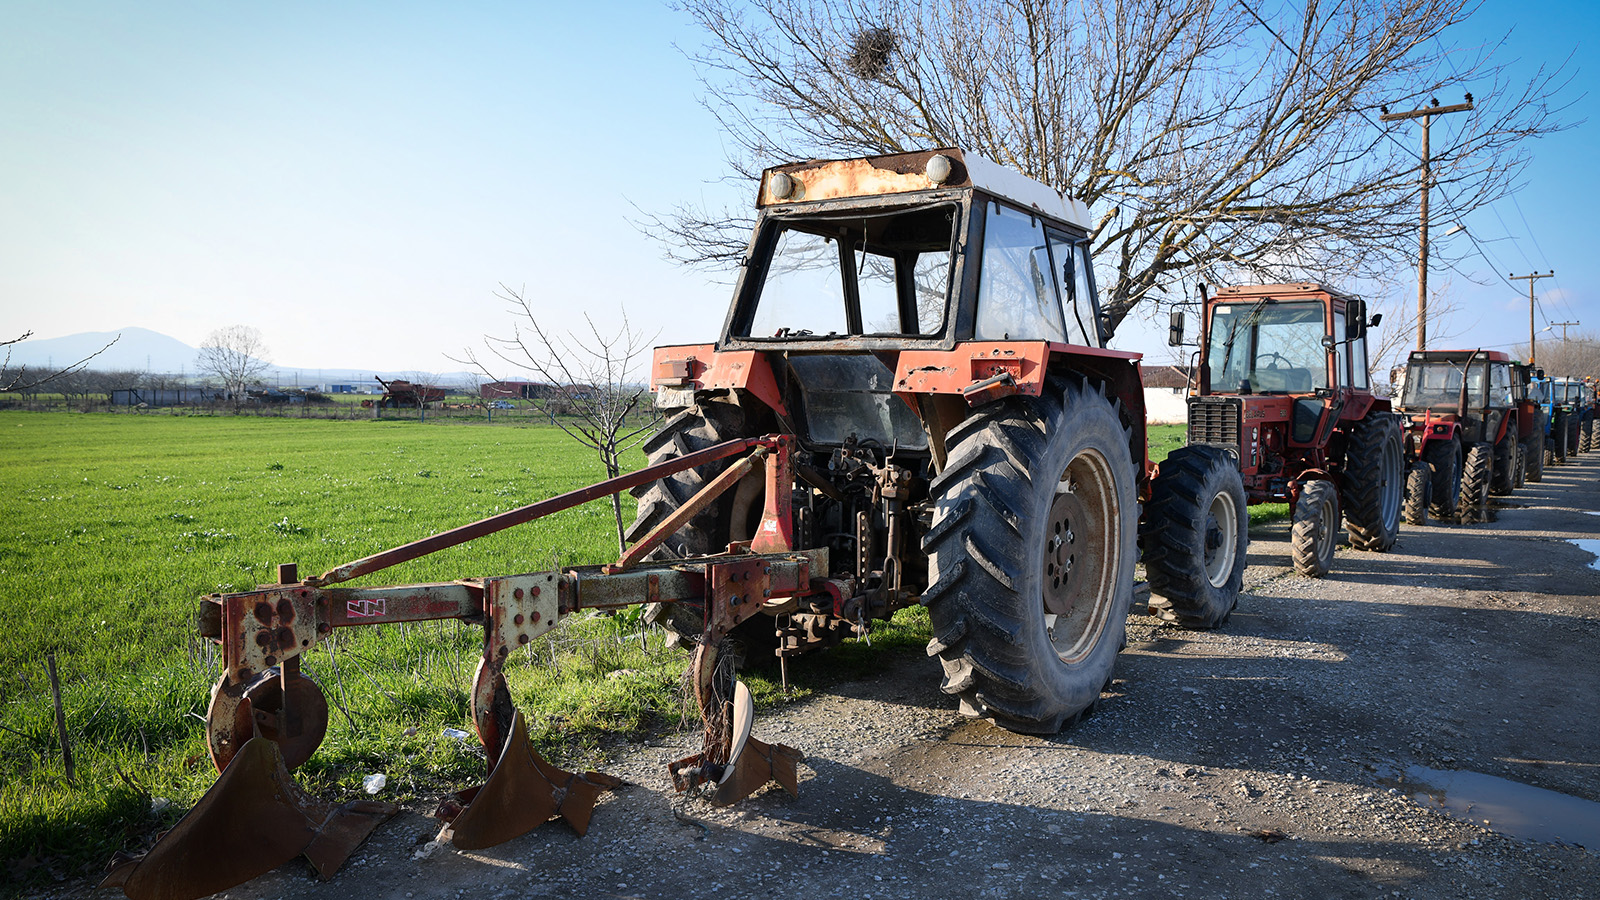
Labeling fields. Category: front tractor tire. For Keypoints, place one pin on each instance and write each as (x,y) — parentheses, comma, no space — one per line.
(1315,533)
(1031,556)
(1374,482)
(1476,475)
(1418,487)
(1444,458)
(1196,535)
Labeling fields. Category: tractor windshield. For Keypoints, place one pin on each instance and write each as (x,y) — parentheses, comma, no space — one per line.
(1267,347)
(1437,383)
(1569,392)
(880,273)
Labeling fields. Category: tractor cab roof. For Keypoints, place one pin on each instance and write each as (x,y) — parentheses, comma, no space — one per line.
(1459,356)
(1294,290)
(944,169)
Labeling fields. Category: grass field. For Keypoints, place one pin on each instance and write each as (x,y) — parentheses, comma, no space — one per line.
(116,524)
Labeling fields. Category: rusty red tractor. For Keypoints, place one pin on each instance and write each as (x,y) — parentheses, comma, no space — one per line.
(1464,412)
(910,402)
(1282,390)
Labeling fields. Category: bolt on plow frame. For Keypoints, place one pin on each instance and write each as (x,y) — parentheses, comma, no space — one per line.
(911,402)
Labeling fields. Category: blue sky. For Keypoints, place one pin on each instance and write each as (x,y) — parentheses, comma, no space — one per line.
(356,179)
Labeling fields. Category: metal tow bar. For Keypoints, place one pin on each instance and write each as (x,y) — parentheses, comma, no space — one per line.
(265,718)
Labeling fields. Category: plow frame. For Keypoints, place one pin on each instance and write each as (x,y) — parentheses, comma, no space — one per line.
(268,718)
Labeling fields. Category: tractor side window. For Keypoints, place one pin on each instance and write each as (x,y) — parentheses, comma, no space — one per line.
(804,290)
(1341,347)
(1500,385)
(1081,309)
(1017,291)
(1358,364)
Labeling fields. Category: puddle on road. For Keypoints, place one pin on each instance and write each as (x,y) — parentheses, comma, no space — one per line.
(1507,807)
(1588,546)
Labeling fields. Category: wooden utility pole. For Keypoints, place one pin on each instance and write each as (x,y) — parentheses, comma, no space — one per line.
(1530,279)
(1563,326)
(1426,114)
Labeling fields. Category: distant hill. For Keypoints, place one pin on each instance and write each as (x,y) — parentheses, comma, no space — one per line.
(139,349)
(143,350)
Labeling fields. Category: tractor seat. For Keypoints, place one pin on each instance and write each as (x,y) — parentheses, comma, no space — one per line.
(1294,381)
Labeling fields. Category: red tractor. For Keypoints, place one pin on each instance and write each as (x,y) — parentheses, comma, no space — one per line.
(1464,410)
(1283,389)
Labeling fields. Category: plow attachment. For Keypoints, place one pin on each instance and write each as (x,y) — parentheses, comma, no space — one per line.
(522,793)
(254,819)
(266,718)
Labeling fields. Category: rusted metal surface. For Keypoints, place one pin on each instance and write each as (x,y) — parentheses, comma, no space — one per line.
(775,533)
(690,508)
(455,536)
(253,820)
(703,367)
(522,793)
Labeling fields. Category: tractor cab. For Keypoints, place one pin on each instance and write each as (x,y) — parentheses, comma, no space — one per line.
(1288,362)
(881,299)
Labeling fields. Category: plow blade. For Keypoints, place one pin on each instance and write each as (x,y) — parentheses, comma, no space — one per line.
(522,793)
(751,762)
(254,819)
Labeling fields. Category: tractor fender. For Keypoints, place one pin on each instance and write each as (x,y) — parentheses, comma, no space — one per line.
(678,371)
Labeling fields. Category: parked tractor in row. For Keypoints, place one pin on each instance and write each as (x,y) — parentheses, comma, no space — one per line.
(1468,422)
(1282,391)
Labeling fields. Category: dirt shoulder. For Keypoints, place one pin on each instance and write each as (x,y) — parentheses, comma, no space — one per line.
(1257,760)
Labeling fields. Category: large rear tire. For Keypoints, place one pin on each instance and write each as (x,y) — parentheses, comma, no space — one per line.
(1445,459)
(1586,434)
(1315,533)
(1557,444)
(1533,456)
(1418,482)
(1475,476)
(686,431)
(1031,556)
(1374,482)
(1196,536)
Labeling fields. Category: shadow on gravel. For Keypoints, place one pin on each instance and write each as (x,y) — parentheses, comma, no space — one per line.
(856,833)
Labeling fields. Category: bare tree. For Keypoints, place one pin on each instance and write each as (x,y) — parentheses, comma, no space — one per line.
(236,356)
(1389,345)
(595,393)
(1577,357)
(1211,142)
(19,379)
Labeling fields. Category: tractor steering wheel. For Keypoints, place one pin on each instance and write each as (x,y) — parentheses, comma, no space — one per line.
(1274,357)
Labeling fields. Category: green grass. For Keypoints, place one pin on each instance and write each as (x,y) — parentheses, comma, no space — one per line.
(117,524)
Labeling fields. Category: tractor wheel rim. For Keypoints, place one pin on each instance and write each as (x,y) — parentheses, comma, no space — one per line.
(1325,529)
(1222,524)
(1394,476)
(1082,556)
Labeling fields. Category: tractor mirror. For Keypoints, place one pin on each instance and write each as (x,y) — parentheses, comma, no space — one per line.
(1355,319)
(1175,330)
(1376,318)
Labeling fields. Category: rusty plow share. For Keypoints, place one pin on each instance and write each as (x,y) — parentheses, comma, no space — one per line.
(266,718)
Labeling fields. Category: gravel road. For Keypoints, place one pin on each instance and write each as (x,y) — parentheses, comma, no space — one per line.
(1273,757)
